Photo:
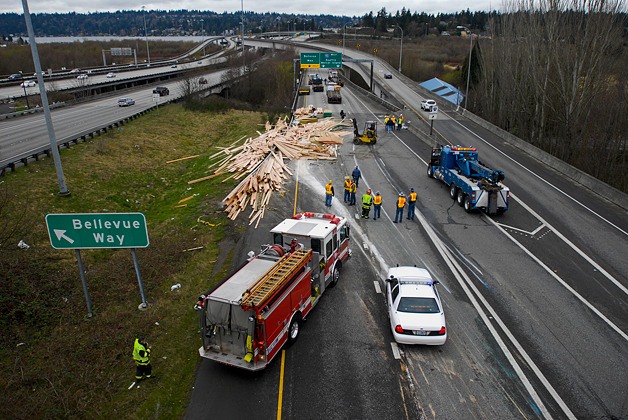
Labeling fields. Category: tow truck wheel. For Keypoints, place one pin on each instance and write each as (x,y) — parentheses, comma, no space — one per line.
(293,330)
(460,198)
(453,191)
(430,171)
(467,204)
(335,277)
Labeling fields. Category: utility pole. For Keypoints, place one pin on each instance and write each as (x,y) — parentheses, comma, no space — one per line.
(146,33)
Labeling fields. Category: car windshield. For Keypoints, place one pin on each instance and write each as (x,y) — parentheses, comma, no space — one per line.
(418,305)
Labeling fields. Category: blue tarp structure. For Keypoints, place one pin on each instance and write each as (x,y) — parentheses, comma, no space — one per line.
(444,90)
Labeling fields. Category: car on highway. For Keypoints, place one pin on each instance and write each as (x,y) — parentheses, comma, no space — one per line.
(82,77)
(199,62)
(387,75)
(28,83)
(161,90)
(75,71)
(202,81)
(428,104)
(111,75)
(174,66)
(15,76)
(414,307)
(126,102)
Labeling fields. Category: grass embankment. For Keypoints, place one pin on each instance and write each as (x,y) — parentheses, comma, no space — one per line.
(56,363)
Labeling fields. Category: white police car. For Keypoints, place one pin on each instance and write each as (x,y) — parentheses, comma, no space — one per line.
(414,307)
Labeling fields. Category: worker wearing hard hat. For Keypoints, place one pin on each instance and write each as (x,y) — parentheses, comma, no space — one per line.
(377,206)
(367,202)
(399,122)
(347,188)
(401,204)
(329,193)
(411,204)
(352,191)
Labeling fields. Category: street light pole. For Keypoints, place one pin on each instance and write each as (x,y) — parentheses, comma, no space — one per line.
(401,47)
(146,33)
(466,94)
(344,34)
(242,36)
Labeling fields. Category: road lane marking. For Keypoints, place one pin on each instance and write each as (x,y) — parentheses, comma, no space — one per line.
(378,289)
(561,281)
(395,350)
(281,374)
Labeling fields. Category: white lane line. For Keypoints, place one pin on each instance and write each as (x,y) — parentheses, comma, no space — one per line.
(561,281)
(572,246)
(395,350)
(378,288)
(534,232)
(466,284)
(542,179)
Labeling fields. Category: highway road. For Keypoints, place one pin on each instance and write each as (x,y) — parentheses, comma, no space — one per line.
(535,299)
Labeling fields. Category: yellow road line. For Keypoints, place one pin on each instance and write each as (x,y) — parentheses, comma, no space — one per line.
(280,396)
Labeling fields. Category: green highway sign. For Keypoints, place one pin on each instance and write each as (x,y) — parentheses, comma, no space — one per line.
(97,230)
(310,60)
(331,60)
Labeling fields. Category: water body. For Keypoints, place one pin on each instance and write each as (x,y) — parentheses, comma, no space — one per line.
(69,39)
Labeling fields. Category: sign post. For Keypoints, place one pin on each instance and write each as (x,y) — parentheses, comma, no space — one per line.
(432,116)
(99,230)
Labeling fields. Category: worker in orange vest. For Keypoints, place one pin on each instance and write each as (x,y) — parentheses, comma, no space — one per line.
(329,193)
(377,205)
(411,204)
(347,188)
(352,191)
(401,204)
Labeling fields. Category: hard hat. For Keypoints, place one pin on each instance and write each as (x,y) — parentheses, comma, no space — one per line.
(377,193)
(347,177)
(330,181)
(411,189)
(401,194)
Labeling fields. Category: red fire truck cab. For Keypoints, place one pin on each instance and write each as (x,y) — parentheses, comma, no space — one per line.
(248,317)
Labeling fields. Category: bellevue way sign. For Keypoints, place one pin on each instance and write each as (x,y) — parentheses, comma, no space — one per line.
(97,230)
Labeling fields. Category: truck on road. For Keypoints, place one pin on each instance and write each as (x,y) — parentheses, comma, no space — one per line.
(248,317)
(472,184)
(333,94)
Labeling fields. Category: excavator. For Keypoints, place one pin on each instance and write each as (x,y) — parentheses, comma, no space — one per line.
(369,135)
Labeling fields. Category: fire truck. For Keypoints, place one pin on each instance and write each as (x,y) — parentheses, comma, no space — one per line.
(248,317)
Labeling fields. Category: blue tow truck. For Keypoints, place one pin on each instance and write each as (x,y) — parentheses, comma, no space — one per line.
(473,185)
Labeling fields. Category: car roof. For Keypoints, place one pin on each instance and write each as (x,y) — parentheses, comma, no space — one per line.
(414,281)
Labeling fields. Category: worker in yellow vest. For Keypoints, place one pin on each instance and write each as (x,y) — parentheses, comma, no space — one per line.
(141,355)
(377,206)
(353,189)
(399,122)
(329,193)
(401,204)
(347,188)
(367,202)
(411,204)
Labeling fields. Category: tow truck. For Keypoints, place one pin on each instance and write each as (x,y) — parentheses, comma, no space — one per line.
(249,316)
(472,184)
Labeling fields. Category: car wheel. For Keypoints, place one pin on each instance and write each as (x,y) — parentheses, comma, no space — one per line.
(460,197)
(430,171)
(335,277)
(453,191)
(467,204)
(293,330)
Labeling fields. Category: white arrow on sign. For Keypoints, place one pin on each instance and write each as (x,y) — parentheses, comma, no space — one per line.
(61,234)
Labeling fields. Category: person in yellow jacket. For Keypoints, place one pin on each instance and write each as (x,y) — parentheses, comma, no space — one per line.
(399,122)
(329,193)
(401,204)
(367,202)
(377,206)
(347,188)
(411,204)
(141,355)
(352,191)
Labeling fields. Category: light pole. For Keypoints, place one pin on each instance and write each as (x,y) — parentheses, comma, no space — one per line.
(203,39)
(344,34)
(242,36)
(400,47)
(466,94)
(146,33)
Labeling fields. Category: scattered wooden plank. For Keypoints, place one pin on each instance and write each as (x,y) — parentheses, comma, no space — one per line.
(183,158)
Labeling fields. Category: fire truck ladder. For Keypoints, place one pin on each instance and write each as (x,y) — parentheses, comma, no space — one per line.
(274,279)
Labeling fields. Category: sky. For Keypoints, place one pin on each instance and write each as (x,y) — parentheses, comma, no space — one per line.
(309,7)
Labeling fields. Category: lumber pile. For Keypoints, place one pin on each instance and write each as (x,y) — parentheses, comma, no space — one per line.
(259,161)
